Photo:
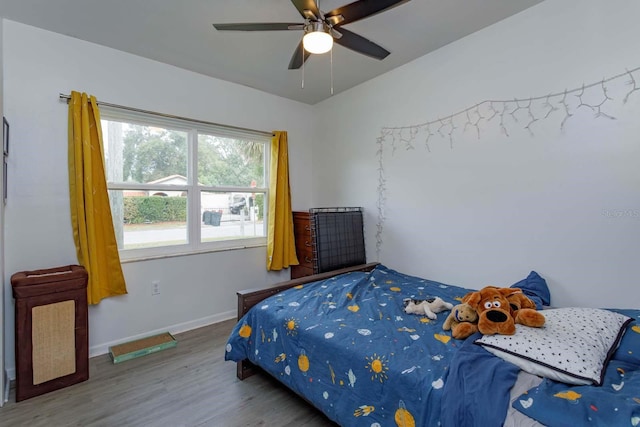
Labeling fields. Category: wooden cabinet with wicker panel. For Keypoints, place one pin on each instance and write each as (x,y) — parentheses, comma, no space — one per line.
(52,329)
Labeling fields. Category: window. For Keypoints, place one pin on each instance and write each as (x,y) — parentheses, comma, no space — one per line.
(177,186)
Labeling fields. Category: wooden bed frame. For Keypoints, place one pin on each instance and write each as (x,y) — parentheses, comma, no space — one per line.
(250,297)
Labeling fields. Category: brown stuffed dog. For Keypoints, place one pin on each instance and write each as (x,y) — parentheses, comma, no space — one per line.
(494,311)
(499,309)
(462,321)
(524,311)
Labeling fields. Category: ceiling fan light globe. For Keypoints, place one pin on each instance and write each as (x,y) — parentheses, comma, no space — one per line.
(317,42)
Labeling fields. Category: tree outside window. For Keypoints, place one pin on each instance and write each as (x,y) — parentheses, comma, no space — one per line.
(176,186)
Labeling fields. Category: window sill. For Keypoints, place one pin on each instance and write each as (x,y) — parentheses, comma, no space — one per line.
(182,254)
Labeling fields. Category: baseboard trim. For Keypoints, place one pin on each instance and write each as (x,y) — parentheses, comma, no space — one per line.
(7,386)
(100,349)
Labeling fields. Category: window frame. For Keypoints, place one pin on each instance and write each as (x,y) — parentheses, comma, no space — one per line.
(193,128)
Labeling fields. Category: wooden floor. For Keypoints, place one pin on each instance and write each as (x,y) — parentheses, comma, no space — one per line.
(190,385)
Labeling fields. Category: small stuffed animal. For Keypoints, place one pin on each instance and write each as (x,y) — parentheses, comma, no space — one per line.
(428,307)
(523,310)
(462,321)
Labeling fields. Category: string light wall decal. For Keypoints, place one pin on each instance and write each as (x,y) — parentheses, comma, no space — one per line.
(525,113)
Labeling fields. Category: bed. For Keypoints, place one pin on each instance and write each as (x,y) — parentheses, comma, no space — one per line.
(343,342)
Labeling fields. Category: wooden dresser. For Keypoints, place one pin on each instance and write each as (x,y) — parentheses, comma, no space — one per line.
(327,239)
(302,223)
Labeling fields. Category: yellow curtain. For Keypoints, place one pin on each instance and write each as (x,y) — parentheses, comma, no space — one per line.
(281,244)
(93,233)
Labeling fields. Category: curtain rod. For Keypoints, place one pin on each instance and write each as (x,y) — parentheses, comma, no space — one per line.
(170,116)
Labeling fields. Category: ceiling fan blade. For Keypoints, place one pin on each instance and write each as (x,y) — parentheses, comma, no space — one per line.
(352,41)
(334,20)
(363,8)
(300,55)
(266,26)
(308,14)
(306,6)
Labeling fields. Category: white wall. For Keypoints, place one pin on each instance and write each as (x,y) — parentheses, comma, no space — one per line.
(195,290)
(490,209)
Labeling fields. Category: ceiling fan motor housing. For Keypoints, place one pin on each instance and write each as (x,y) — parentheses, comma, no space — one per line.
(316,26)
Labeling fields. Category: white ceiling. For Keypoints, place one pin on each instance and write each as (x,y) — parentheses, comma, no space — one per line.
(180,33)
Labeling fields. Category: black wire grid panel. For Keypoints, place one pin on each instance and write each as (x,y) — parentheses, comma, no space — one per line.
(338,237)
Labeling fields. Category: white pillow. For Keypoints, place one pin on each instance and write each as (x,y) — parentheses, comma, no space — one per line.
(574,346)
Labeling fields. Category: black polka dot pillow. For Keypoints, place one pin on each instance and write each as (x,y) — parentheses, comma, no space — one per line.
(574,346)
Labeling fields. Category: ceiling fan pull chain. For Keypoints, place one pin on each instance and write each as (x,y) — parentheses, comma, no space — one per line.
(303,61)
(331,71)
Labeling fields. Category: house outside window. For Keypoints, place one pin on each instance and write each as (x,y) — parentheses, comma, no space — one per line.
(178,187)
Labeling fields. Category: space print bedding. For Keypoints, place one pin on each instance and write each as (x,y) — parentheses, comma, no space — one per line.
(346,345)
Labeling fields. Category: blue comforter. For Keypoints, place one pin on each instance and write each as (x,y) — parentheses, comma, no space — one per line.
(346,345)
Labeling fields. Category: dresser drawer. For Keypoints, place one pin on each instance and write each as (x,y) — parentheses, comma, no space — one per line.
(301,224)
(304,250)
(304,244)
(305,258)
(300,271)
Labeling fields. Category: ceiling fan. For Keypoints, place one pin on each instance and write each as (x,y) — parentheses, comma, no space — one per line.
(325,28)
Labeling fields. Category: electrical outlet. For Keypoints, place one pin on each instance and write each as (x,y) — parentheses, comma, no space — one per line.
(155,287)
